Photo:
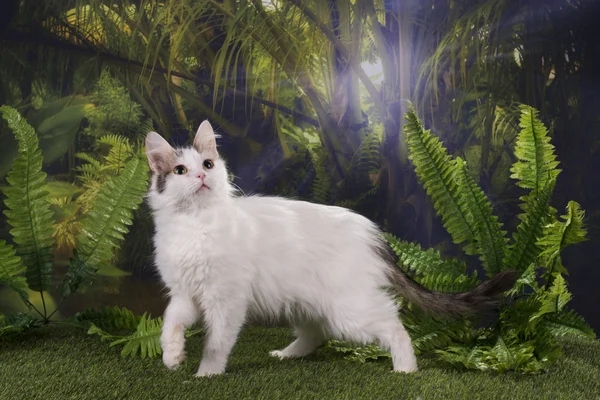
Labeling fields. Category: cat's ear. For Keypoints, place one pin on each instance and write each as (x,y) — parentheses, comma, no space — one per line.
(159,152)
(206,141)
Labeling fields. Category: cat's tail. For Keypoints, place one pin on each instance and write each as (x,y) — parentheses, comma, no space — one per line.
(488,295)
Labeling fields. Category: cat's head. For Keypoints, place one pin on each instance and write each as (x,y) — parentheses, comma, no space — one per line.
(195,176)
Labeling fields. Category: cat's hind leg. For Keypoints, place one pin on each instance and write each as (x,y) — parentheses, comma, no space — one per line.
(180,314)
(308,339)
(398,342)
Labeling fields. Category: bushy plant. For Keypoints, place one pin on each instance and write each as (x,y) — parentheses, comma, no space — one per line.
(28,262)
(524,338)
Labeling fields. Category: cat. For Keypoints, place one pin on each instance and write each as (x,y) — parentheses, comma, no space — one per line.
(325,270)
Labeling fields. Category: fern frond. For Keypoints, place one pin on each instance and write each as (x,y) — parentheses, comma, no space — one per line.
(109,318)
(358,353)
(490,239)
(28,204)
(11,270)
(322,183)
(429,333)
(106,223)
(438,173)
(537,162)
(524,249)
(553,300)
(367,158)
(120,150)
(568,323)
(527,278)
(423,262)
(17,322)
(145,339)
(444,283)
(558,235)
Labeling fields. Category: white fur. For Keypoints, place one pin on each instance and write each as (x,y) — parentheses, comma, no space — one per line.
(225,258)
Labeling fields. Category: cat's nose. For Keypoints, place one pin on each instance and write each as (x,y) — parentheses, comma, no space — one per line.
(201,175)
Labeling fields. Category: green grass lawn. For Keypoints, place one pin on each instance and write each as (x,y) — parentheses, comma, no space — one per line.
(60,362)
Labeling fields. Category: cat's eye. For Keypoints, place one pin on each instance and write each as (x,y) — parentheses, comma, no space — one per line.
(179,170)
(208,164)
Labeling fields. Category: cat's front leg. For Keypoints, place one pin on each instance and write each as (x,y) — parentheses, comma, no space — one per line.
(180,314)
(224,318)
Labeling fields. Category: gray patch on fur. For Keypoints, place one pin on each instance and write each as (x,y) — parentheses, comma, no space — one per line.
(487,295)
(161,183)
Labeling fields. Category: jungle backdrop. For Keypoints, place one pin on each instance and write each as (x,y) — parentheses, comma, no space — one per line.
(309,97)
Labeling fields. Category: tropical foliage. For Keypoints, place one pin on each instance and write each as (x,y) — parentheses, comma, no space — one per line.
(29,215)
(524,337)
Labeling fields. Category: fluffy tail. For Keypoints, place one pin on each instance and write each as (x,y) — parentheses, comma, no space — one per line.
(487,295)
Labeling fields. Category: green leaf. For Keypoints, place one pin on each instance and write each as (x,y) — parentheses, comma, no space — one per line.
(566,323)
(553,300)
(524,250)
(11,269)
(358,353)
(28,205)
(106,223)
(537,163)
(559,235)
(109,318)
(527,278)
(423,262)
(439,175)
(489,238)
(145,340)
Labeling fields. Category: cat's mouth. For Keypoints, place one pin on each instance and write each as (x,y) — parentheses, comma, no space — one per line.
(203,187)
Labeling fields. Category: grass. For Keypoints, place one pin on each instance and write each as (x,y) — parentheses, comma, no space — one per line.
(59,362)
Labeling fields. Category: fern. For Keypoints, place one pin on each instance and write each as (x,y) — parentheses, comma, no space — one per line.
(367,158)
(568,323)
(28,205)
(17,323)
(558,235)
(441,282)
(553,300)
(11,269)
(489,237)
(145,340)
(422,262)
(321,186)
(537,163)
(104,226)
(438,173)
(524,249)
(361,354)
(109,318)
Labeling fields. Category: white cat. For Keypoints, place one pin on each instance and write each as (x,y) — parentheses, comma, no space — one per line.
(325,270)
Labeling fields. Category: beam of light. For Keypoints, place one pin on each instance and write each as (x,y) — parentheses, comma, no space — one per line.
(374,71)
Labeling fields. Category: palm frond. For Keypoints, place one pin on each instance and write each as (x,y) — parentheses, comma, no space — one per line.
(106,223)
(28,204)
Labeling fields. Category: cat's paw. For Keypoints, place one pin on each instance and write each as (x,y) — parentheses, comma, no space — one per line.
(208,371)
(172,360)
(277,354)
(408,368)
